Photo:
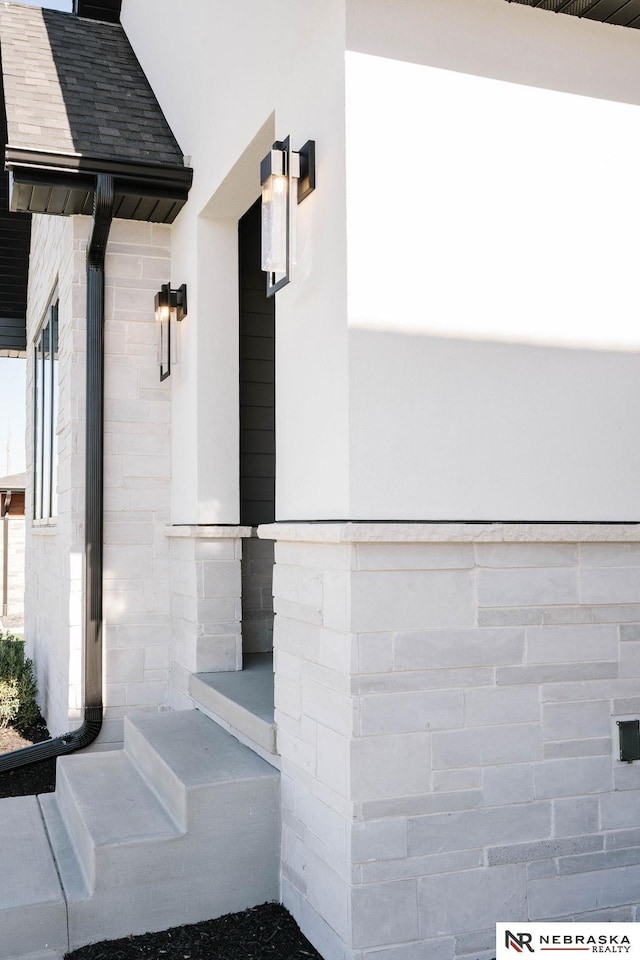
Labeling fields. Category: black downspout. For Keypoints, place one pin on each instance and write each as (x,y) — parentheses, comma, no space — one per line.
(94,497)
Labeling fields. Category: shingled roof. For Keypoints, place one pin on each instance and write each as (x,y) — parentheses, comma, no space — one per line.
(75,86)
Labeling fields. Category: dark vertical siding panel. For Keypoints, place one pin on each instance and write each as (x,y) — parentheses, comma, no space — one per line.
(257,379)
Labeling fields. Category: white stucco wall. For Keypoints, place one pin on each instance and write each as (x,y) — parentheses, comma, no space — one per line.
(493,342)
(257,71)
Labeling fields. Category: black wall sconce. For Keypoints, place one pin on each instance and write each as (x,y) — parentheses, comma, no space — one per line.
(169,304)
(629,731)
(283,173)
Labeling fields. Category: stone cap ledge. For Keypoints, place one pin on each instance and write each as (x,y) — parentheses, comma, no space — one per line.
(213,532)
(385,532)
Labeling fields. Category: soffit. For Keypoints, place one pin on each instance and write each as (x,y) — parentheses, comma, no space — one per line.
(624,13)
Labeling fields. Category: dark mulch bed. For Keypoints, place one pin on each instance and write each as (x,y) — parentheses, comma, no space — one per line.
(26,781)
(267,932)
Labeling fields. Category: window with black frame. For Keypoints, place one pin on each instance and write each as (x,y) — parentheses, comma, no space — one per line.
(45,462)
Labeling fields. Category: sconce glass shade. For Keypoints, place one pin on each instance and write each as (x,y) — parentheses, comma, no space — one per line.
(169,304)
(287,177)
(275,209)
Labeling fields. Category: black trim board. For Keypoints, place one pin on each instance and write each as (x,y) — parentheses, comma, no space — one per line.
(63,185)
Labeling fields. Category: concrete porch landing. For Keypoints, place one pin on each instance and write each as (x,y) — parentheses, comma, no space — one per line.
(241,701)
(181,825)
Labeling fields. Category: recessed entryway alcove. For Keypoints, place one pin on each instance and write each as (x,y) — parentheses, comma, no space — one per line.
(232,288)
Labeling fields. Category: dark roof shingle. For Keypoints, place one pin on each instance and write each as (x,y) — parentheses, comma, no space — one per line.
(75,86)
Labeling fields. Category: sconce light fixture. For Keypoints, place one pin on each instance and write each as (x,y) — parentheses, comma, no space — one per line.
(169,304)
(287,177)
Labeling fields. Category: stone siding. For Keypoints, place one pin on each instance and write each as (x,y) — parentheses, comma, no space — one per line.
(447,723)
(136,476)
(205,566)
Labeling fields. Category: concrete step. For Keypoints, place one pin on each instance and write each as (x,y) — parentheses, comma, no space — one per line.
(189,762)
(114,820)
(182,825)
(241,702)
(32,907)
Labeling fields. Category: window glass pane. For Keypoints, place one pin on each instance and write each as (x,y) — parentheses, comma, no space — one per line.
(46,422)
(37,423)
(54,410)
(45,418)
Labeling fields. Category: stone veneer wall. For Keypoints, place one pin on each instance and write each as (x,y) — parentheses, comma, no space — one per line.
(15,572)
(446,701)
(137,478)
(206,609)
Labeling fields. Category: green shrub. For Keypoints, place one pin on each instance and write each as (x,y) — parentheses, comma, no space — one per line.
(9,701)
(14,667)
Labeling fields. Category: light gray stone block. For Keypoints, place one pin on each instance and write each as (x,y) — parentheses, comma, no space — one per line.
(421,680)
(459,648)
(625,706)
(483,746)
(433,949)
(573,721)
(510,616)
(385,913)
(630,631)
(375,653)
(379,840)
(557,672)
(509,587)
(526,554)
(329,707)
(488,705)
(408,867)
(544,849)
(630,660)
(410,712)
(540,869)
(598,861)
(619,810)
(622,839)
(609,555)
(571,778)
(593,690)
(449,780)
(575,816)
(391,766)
(408,600)
(420,805)
(414,556)
(477,942)
(471,829)
(626,776)
(332,759)
(565,644)
(511,783)
(562,749)
(581,893)
(610,585)
(601,613)
(466,902)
